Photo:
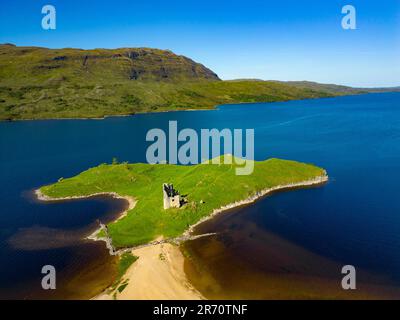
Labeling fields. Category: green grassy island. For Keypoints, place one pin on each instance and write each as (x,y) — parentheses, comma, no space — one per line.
(207,188)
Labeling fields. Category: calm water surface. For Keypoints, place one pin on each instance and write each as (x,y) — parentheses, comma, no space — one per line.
(354,219)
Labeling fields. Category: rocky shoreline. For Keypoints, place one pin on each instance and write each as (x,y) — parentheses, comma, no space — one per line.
(187,235)
(131,204)
(313,182)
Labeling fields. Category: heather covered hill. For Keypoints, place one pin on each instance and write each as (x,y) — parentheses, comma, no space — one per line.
(39,66)
(41,83)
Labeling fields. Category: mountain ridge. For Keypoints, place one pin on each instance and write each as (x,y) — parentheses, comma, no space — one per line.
(98,64)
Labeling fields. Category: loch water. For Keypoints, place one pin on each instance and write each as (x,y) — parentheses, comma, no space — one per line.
(354,219)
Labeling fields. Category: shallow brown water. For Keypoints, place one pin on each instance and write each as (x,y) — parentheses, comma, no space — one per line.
(244,261)
(84,268)
(89,271)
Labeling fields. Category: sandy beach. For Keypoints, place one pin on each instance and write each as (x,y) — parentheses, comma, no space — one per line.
(157,274)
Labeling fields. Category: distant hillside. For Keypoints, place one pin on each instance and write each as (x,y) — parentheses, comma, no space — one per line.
(333,88)
(40,83)
(338,88)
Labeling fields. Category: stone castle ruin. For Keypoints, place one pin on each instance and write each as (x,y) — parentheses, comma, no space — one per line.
(172,199)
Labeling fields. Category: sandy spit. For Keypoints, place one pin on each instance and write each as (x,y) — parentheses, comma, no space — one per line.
(158,274)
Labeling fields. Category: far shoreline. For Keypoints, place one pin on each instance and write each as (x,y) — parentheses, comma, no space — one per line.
(213,108)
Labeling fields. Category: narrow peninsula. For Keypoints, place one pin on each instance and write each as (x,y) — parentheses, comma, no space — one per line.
(205,190)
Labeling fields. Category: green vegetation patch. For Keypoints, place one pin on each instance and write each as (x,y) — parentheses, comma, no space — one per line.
(126,260)
(122,287)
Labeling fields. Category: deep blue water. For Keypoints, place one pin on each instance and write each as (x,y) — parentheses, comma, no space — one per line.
(355,218)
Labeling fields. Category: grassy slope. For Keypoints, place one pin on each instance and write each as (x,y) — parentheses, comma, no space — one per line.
(38,83)
(217,185)
(99,100)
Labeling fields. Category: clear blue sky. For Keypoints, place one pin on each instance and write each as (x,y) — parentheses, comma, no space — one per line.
(265,39)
